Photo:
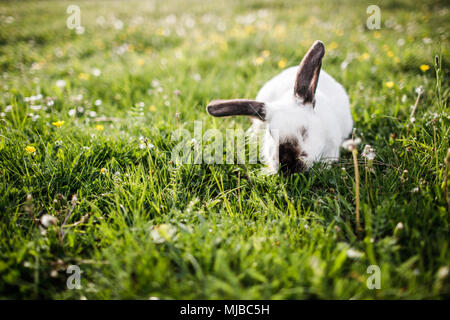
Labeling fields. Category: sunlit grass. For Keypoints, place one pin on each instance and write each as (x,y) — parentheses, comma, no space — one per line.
(85,153)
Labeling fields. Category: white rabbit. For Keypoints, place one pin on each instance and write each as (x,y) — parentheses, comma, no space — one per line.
(305,117)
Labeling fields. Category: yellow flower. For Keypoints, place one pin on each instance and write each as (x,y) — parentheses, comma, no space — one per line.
(377,35)
(424,67)
(365,56)
(282,63)
(390,54)
(103,170)
(30,149)
(390,84)
(333,46)
(99,127)
(339,33)
(83,76)
(265,53)
(141,62)
(152,108)
(259,60)
(396,59)
(58,124)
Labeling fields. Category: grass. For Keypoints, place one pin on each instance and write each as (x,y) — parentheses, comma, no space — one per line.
(143,227)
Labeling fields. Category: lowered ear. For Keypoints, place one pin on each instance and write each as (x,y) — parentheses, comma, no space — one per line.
(237,107)
(308,73)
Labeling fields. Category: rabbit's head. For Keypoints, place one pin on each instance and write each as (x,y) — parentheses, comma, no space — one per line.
(290,122)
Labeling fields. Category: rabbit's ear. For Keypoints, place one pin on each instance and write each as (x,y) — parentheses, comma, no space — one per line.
(237,107)
(308,73)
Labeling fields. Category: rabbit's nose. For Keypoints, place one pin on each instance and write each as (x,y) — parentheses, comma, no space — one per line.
(289,157)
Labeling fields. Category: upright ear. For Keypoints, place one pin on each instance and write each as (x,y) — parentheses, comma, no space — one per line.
(237,107)
(308,73)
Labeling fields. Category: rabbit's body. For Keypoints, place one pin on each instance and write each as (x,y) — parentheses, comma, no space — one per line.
(326,125)
(305,115)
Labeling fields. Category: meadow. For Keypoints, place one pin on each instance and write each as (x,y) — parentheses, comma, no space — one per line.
(86,177)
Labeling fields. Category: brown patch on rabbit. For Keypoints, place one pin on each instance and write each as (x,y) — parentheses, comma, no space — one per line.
(290,157)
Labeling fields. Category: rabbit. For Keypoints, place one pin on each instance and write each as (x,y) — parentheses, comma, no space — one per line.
(304,114)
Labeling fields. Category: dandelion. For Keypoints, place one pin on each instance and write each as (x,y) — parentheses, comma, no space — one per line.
(398,228)
(333,45)
(259,60)
(96,72)
(424,67)
(141,62)
(443,272)
(377,35)
(354,254)
(352,145)
(368,152)
(390,54)
(47,220)
(152,108)
(265,53)
(103,170)
(79,30)
(365,56)
(58,124)
(162,233)
(389,84)
(61,83)
(100,127)
(83,76)
(282,63)
(30,149)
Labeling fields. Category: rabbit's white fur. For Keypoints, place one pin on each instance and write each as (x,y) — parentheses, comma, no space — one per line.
(324,125)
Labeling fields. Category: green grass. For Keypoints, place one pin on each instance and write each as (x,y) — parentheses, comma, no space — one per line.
(231,232)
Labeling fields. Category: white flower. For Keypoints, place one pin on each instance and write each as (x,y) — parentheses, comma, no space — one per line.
(369,152)
(92,114)
(354,254)
(400,226)
(72,112)
(156,83)
(61,83)
(47,220)
(98,102)
(197,77)
(401,42)
(442,272)
(419,90)
(162,233)
(8,108)
(351,144)
(79,30)
(96,72)
(36,107)
(118,24)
